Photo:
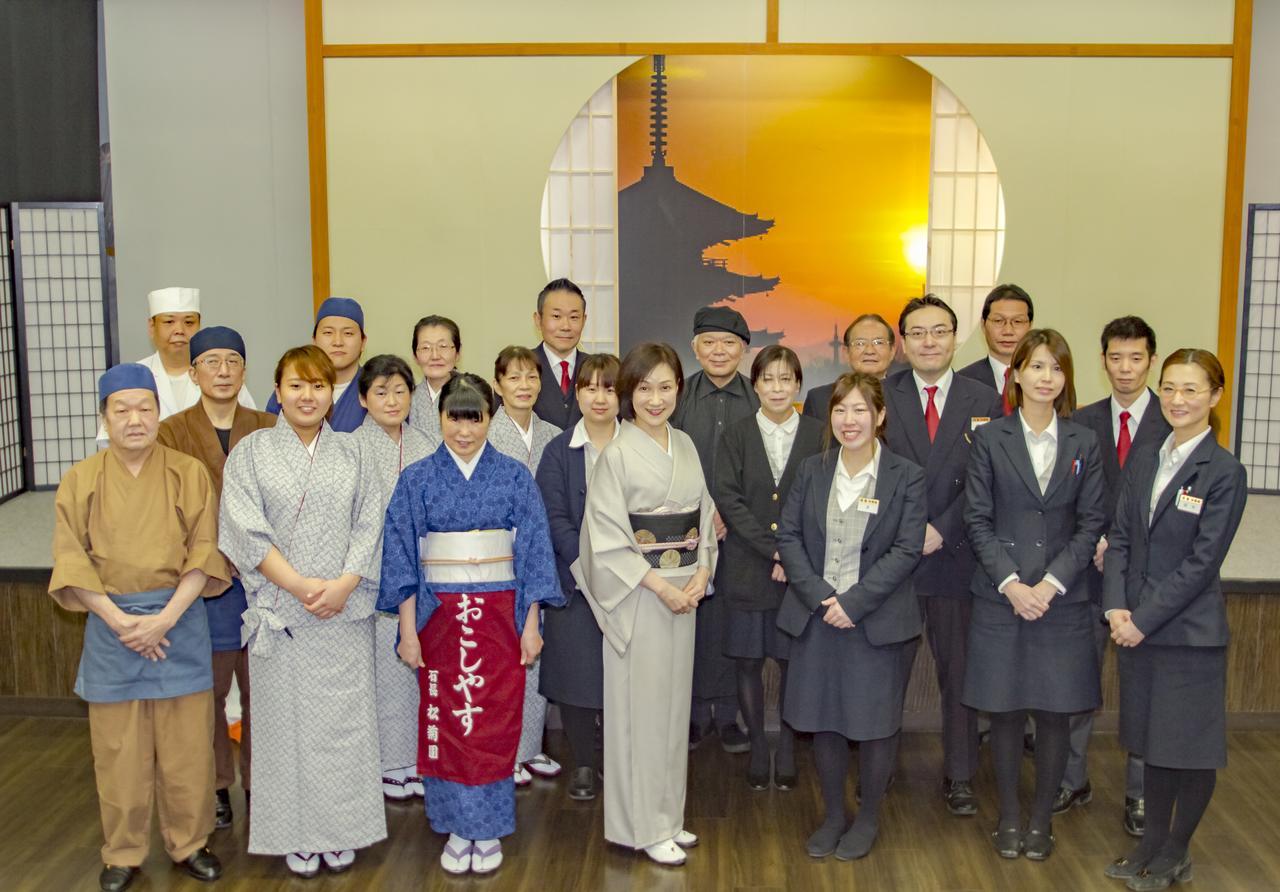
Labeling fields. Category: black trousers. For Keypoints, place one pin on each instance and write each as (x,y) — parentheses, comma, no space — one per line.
(946,622)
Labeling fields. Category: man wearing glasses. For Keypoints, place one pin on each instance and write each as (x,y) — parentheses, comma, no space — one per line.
(932,413)
(1007,314)
(868,347)
(207,432)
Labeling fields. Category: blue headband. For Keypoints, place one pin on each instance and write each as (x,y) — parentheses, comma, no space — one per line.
(216,337)
(126,376)
(344,307)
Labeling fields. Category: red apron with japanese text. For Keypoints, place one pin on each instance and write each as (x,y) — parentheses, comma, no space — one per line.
(472,688)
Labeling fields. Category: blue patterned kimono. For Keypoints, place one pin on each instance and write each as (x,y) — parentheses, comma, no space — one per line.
(433,496)
(347,414)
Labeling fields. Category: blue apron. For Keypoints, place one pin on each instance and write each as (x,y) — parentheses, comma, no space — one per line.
(224,614)
(111,673)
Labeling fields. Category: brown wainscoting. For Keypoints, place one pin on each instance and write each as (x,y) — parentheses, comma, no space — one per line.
(39,641)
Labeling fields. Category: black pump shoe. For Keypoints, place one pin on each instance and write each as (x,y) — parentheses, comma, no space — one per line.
(1008,842)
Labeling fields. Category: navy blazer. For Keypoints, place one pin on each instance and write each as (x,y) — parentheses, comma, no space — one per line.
(562,478)
(552,404)
(750,504)
(1167,571)
(1015,529)
(1151,432)
(817,400)
(981,372)
(882,600)
(949,570)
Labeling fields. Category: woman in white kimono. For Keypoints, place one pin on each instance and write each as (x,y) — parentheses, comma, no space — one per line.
(387,446)
(647,550)
(301,518)
(520,434)
(437,348)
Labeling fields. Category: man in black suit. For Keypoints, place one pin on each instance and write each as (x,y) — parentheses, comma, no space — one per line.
(714,397)
(1007,314)
(869,343)
(932,412)
(1128,419)
(561,314)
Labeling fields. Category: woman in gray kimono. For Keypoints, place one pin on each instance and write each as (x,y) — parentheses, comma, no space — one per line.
(301,518)
(387,446)
(520,434)
(437,347)
(648,548)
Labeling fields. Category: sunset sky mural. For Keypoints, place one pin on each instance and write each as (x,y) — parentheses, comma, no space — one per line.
(835,150)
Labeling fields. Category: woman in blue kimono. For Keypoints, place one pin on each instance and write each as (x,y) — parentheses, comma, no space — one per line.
(466,561)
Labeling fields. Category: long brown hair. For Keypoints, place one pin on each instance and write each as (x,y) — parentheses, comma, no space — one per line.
(872,391)
(1065,403)
(1212,369)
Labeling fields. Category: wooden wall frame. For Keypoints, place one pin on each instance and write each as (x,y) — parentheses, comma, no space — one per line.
(1238,51)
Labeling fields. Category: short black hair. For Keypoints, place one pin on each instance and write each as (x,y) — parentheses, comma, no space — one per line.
(636,366)
(440,322)
(927,300)
(870,317)
(776,353)
(384,365)
(559,285)
(467,397)
(1129,328)
(1008,291)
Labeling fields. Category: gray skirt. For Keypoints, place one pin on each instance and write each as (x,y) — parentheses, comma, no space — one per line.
(1049,664)
(754,635)
(838,681)
(1173,705)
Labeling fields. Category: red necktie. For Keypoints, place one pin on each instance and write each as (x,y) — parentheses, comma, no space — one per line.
(1124,442)
(1004,393)
(931,412)
(564,377)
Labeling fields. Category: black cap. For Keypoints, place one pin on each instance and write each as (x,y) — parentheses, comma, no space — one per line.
(721,319)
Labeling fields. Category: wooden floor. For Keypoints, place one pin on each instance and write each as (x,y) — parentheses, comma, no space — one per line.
(50,834)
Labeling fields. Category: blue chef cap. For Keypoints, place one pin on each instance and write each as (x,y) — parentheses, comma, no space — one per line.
(216,337)
(126,376)
(344,307)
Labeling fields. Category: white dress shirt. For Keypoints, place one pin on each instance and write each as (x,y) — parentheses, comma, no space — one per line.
(1172,458)
(778,440)
(581,440)
(555,361)
(999,370)
(851,487)
(1043,449)
(1135,415)
(467,467)
(940,398)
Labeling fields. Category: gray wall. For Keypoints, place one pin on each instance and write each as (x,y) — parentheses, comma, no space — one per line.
(208,127)
(1262,151)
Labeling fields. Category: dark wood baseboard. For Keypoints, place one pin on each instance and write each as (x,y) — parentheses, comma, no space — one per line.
(44,707)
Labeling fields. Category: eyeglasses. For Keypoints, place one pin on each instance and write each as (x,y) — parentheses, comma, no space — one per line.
(213,363)
(863,343)
(1168,391)
(938,332)
(1008,321)
(438,349)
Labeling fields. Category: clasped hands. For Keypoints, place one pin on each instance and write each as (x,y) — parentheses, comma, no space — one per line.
(323,598)
(1030,602)
(683,600)
(144,635)
(1123,631)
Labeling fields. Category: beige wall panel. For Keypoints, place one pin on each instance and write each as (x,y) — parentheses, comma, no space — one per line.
(436,170)
(1113,173)
(1006,21)
(509,21)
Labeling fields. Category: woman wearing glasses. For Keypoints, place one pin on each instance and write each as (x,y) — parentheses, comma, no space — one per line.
(437,347)
(1034,513)
(1178,511)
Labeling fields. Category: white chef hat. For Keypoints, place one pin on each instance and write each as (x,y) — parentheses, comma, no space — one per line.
(173,300)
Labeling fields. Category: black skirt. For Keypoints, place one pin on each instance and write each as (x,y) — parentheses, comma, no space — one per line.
(838,681)
(754,635)
(1049,664)
(1173,705)
(572,670)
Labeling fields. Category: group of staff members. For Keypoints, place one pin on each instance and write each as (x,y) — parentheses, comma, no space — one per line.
(633,547)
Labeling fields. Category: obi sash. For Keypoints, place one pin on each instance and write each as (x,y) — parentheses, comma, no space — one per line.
(112,673)
(471,702)
(668,541)
(225,614)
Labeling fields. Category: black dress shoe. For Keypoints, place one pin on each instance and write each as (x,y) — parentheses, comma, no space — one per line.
(732,739)
(959,797)
(758,780)
(696,736)
(1135,816)
(203,865)
(1007,842)
(1068,797)
(823,841)
(784,780)
(1148,880)
(1124,867)
(222,810)
(115,879)
(855,843)
(582,784)
(1038,844)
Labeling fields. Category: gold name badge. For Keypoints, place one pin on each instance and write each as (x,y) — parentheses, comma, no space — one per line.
(977,421)
(869,506)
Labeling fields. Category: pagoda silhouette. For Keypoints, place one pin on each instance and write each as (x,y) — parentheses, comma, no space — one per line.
(664,229)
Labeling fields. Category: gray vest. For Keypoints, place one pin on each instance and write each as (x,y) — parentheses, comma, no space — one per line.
(844,540)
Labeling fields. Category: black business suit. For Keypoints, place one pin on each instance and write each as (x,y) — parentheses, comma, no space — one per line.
(553,404)
(942,579)
(982,372)
(1166,571)
(816,402)
(851,681)
(1152,430)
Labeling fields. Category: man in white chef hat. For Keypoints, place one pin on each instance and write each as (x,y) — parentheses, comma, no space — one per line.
(173,317)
